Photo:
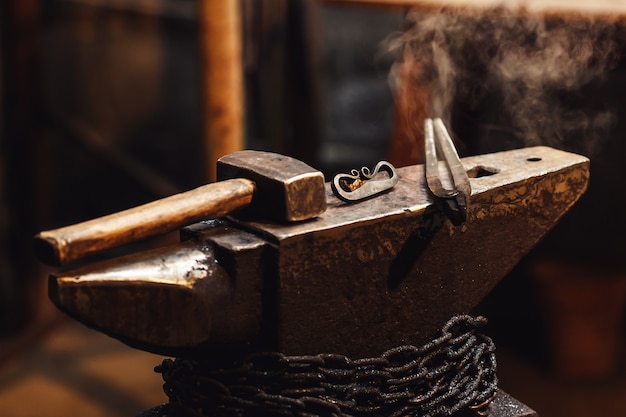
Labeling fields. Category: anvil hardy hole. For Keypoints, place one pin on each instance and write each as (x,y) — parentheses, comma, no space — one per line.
(533,159)
(481,171)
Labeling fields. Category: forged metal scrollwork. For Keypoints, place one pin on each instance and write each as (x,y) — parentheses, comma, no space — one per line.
(361,185)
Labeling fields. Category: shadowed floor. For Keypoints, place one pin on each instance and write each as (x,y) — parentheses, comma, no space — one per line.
(75,371)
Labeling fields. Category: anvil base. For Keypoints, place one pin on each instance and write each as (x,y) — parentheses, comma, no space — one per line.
(502,406)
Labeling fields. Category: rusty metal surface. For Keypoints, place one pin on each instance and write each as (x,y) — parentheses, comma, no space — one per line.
(392,270)
(355,281)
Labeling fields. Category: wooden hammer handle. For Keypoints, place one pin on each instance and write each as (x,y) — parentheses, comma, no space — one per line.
(60,246)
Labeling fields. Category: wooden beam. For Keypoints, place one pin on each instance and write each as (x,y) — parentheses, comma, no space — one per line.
(222,73)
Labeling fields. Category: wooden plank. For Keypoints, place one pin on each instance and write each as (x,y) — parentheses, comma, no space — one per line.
(602,7)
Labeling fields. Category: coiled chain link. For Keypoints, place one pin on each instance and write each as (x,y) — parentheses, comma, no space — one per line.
(454,372)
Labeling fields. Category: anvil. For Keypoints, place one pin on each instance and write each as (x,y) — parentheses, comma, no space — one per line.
(357,280)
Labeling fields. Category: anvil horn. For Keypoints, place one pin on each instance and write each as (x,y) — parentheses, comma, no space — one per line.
(392,266)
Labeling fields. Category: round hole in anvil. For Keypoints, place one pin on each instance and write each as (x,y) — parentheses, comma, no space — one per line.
(481,171)
(533,159)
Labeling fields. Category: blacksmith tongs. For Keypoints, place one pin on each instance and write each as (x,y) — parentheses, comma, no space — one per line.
(456,191)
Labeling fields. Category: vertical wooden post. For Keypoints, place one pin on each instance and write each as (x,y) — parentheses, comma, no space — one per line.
(407,139)
(223,93)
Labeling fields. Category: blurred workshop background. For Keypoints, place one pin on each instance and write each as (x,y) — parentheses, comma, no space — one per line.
(107,104)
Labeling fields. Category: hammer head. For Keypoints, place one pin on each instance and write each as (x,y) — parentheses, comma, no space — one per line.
(286,189)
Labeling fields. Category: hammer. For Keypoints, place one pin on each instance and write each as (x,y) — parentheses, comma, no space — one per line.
(268,184)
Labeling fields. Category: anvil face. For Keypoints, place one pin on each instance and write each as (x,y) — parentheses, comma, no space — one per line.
(359,279)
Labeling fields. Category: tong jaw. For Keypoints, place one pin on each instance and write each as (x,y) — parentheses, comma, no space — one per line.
(438,143)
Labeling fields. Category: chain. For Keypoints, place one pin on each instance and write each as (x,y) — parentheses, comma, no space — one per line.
(454,372)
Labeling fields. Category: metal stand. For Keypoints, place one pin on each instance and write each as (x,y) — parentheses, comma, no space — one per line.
(502,406)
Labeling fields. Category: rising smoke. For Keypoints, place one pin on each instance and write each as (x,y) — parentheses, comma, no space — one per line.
(531,63)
